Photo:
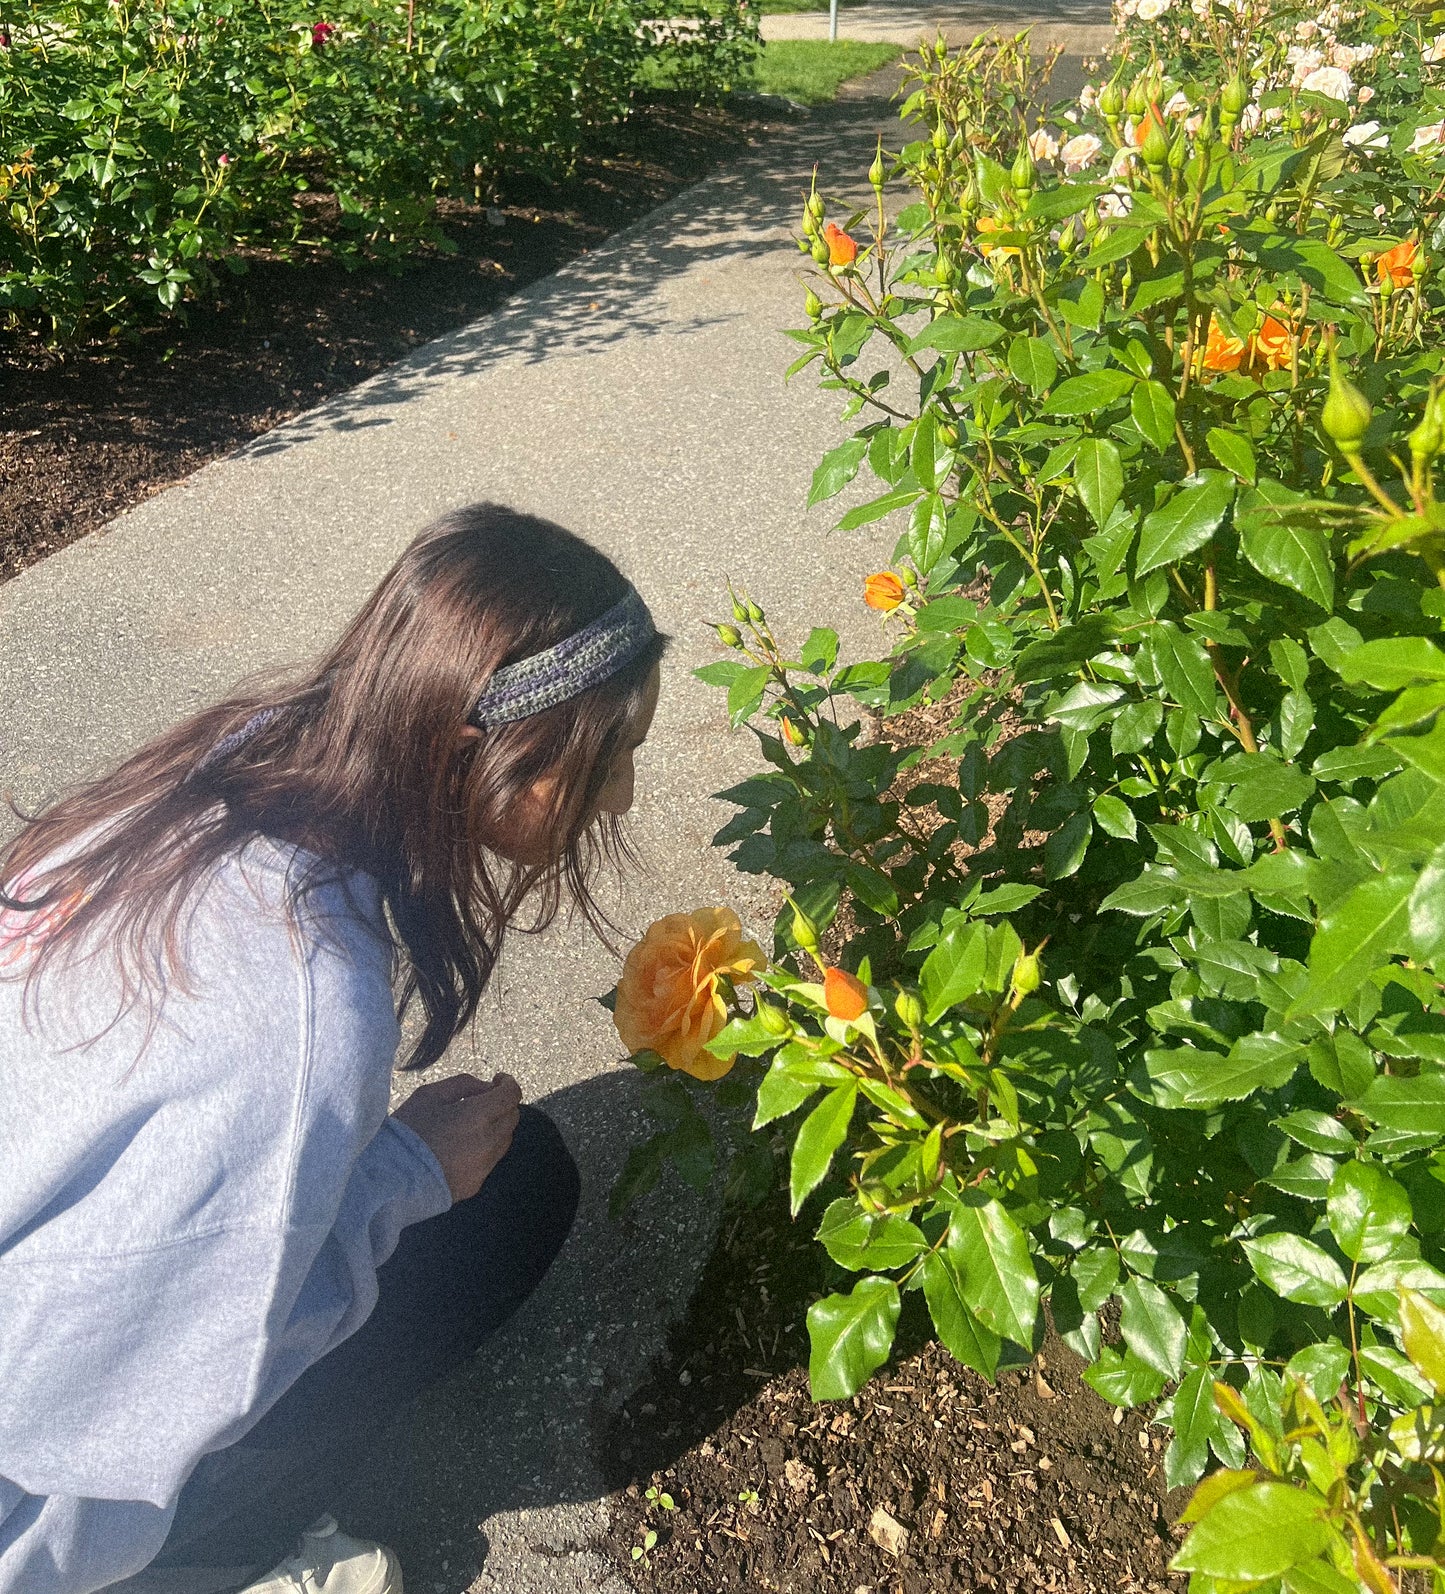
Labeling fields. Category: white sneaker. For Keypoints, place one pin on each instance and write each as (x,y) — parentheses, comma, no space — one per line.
(332,1562)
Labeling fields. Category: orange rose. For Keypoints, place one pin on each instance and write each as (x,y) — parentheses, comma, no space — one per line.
(845,994)
(1221,352)
(990,224)
(1270,345)
(883,592)
(842,250)
(1397,265)
(1141,127)
(668,999)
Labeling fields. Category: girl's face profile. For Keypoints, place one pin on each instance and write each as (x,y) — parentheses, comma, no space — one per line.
(527,841)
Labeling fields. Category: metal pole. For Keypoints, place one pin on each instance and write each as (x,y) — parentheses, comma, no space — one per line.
(832,21)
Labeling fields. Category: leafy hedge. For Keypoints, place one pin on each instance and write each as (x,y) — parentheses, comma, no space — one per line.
(1145,1020)
(144,144)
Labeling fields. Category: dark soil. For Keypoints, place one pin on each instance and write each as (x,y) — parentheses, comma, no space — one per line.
(929,1481)
(87,434)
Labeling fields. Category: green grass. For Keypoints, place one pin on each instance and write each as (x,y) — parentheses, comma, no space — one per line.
(811,70)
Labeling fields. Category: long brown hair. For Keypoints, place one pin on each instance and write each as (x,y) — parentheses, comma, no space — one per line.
(364,765)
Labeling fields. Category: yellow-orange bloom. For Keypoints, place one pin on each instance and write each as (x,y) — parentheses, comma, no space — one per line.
(991,224)
(883,591)
(1222,352)
(846,995)
(1397,266)
(668,999)
(842,249)
(1270,345)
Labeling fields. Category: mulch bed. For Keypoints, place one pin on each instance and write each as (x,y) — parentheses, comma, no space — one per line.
(89,433)
(929,1481)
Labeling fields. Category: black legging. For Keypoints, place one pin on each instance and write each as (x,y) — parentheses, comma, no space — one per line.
(451,1282)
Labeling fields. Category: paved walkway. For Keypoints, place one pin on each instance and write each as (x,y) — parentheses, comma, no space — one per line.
(1078,27)
(638,397)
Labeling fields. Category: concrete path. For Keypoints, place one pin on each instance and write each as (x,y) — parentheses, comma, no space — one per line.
(1078,27)
(638,397)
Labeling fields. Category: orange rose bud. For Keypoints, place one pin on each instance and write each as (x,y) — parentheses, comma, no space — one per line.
(1397,265)
(842,250)
(883,592)
(992,224)
(1154,117)
(845,994)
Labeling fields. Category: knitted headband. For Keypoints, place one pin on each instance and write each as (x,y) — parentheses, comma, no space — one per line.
(573,666)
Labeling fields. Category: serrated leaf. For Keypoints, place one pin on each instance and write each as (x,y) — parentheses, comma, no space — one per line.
(1255,1533)
(1033,362)
(1186,522)
(1001,1287)
(1115,817)
(1087,394)
(1407,1103)
(1184,667)
(850,1337)
(1234,451)
(1422,1333)
(1297,1269)
(1195,1419)
(1369,1213)
(836,469)
(953,971)
(861,1240)
(1152,1327)
(963,1335)
(1357,935)
(1152,406)
(819,1136)
(1294,555)
(1098,477)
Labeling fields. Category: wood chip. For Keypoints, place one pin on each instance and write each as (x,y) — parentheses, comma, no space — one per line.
(940,1521)
(1042,1388)
(887,1532)
(1061,1533)
(799,1477)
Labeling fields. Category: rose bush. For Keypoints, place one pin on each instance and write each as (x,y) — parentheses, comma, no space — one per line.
(1150,933)
(144,146)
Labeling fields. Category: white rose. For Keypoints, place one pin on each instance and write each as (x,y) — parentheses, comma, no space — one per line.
(1088,96)
(1330,81)
(1366,135)
(1435,50)
(1080,153)
(1364,95)
(1113,206)
(1306,30)
(1176,106)
(1427,138)
(1152,10)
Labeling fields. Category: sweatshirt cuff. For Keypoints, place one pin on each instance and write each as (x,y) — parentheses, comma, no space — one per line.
(435,1191)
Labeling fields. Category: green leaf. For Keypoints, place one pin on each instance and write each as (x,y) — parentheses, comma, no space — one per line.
(1393,663)
(953,334)
(1152,406)
(850,1337)
(1099,477)
(1427,907)
(1195,1420)
(746,693)
(819,1136)
(1422,1333)
(838,467)
(1184,667)
(1297,1269)
(1123,1380)
(1234,451)
(1318,1577)
(1255,1533)
(1264,786)
(1205,1079)
(953,970)
(1033,362)
(1377,1289)
(1063,651)
(1357,935)
(780,1092)
(992,1255)
(820,652)
(1414,1104)
(1064,851)
(1369,1214)
(1115,817)
(963,1336)
(1186,522)
(1087,394)
(1294,555)
(857,1240)
(1317,1131)
(876,508)
(1152,1327)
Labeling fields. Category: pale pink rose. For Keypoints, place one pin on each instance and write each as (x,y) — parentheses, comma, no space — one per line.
(1192,124)
(1330,81)
(1364,94)
(1428,138)
(1366,135)
(1435,50)
(1043,146)
(1124,157)
(1152,10)
(1113,206)
(1080,153)
(1088,97)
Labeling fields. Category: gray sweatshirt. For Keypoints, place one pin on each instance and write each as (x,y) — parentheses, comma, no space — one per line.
(183,1235)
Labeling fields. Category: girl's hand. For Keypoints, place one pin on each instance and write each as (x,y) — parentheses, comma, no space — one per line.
(467,1123)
